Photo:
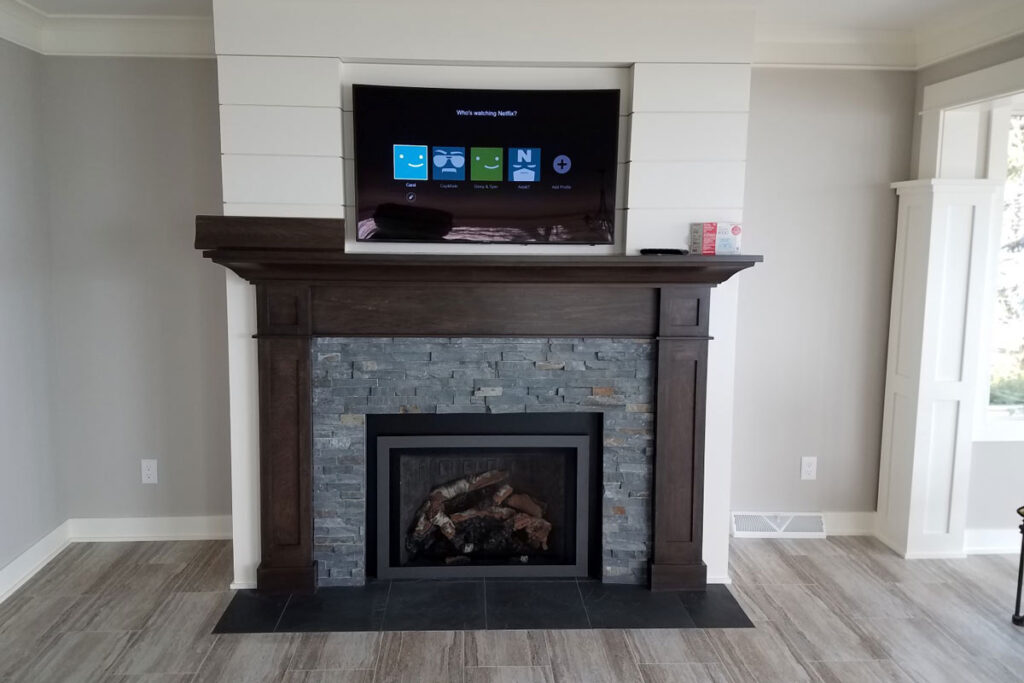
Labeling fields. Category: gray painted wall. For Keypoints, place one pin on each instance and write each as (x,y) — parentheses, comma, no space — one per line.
(823,147)
(138,352)
(30,503)
(997,485)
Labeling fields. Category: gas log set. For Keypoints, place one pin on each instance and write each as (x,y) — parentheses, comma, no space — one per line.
(479,517)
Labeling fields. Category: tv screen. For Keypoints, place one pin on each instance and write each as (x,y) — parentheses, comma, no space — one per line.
(513,166)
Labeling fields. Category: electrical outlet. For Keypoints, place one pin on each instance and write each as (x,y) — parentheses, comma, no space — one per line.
(808,467)
(149,471)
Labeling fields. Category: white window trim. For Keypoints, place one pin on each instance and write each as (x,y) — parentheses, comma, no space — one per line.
(988,427)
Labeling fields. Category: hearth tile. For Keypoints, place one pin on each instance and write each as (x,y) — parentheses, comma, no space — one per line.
(337,609)
(435,606)
(714,608)
(623,606)
(252,612)
(535,604)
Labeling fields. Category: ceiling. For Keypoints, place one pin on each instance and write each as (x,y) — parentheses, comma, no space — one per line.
(896,15)
(899,15)
(900,34)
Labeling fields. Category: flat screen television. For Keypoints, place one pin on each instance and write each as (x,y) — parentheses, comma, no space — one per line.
(485,166)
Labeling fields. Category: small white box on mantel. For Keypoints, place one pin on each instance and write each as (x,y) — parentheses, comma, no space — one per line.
(715,238)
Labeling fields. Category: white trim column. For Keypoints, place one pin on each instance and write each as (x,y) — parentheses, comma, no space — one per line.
(942,244)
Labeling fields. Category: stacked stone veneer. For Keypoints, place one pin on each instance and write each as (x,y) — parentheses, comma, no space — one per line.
(356,376)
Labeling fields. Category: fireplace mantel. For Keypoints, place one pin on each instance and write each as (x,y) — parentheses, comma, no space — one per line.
(307,286)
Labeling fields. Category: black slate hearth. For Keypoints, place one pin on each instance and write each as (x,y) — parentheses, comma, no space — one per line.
(474,604)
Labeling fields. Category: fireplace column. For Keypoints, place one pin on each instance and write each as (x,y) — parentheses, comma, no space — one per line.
(286,440)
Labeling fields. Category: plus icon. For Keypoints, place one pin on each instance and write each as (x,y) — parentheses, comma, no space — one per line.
(562,164)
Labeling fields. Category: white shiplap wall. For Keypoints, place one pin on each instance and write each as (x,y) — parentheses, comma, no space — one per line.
(287,151)
(281,136)
(687,155)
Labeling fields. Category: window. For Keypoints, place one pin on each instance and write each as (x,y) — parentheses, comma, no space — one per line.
(1006,353)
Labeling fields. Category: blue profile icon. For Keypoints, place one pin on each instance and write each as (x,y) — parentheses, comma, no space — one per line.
(524,164)
(449,163)
(410,162)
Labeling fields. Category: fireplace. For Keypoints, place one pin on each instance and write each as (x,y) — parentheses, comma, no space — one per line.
(308,289)
(472,495)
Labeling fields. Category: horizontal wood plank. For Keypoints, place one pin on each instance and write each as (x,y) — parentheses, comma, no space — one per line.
(447,310)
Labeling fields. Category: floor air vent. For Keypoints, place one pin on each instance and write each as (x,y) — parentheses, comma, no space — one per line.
(778,525)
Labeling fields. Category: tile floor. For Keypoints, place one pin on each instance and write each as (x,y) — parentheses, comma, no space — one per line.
(843,609)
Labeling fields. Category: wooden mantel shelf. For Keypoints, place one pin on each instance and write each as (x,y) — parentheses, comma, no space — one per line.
(307,287)
(262,249)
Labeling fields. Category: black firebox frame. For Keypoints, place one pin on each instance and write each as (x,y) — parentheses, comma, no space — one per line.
(584,430)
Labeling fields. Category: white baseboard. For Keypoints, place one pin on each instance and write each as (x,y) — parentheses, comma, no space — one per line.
(24,566)
(721,579)
(150,528)
(850,523)
(108,529)
(992,541)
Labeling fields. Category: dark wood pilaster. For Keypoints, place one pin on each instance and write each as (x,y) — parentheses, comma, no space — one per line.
(286,520)
(679,440)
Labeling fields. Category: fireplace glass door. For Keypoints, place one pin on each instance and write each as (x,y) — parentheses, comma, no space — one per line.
(495,505)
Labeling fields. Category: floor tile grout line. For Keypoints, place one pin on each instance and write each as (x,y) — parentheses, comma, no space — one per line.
(586,612)
(281,615)
(199,669)
(487,626)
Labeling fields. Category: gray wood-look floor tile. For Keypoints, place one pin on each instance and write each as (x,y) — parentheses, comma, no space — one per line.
(209,570)
(852,589)
(76,657)
(507,648)
(847,598)
(509,674)
(753,600)
(991,578)
(757,561)
(887,566)
(27,625)
(883,671)
(592,656)
(250,658)
(81,568)
(125,604)
(762,653)
(815,631)
(927,654)
(340,676)
(685,673)
(421,656)
(671,646)
(316,651)
(178,637)
(148,678)
(960,614)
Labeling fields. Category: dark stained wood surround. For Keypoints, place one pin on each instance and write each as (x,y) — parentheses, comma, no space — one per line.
(306,286)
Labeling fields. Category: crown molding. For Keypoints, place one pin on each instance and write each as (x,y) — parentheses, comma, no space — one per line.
(783,45)
(105,35)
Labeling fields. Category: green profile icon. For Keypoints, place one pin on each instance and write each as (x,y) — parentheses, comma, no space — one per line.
(486,163)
